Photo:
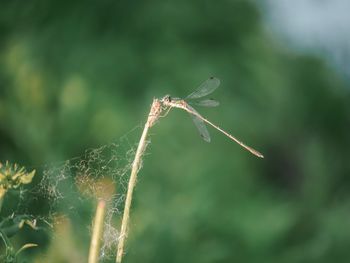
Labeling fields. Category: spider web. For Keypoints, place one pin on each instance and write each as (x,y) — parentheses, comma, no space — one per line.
(99,173)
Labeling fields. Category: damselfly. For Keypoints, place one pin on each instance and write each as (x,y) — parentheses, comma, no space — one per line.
(203,90)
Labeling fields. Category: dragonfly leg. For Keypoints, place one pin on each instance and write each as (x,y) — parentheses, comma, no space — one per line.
(167,110)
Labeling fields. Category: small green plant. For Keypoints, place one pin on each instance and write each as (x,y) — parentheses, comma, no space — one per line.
(12,177)
(9,227)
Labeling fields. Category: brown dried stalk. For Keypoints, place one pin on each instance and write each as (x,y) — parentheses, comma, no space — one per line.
(153,116)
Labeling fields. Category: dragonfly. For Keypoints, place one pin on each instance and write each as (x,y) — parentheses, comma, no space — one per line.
(206,88)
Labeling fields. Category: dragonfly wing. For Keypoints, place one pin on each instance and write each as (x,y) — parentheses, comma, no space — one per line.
(202,129)
(205,88)
(206,103)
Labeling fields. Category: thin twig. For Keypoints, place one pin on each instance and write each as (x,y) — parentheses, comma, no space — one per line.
(153,116)
(97,232)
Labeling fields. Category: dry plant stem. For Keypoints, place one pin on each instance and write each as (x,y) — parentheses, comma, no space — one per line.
(152,118)
(97,232)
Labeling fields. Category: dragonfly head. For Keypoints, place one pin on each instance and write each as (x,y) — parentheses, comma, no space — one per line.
(166,99)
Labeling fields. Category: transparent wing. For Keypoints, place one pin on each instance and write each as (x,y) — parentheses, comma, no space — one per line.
(202,129)
(206,103)
(205,88)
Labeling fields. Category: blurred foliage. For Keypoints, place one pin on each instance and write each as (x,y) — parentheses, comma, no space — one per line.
(77,74)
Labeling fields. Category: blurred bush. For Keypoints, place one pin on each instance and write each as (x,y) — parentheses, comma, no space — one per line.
(75,75)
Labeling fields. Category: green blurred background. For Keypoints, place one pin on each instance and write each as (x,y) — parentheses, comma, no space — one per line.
(79,74)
